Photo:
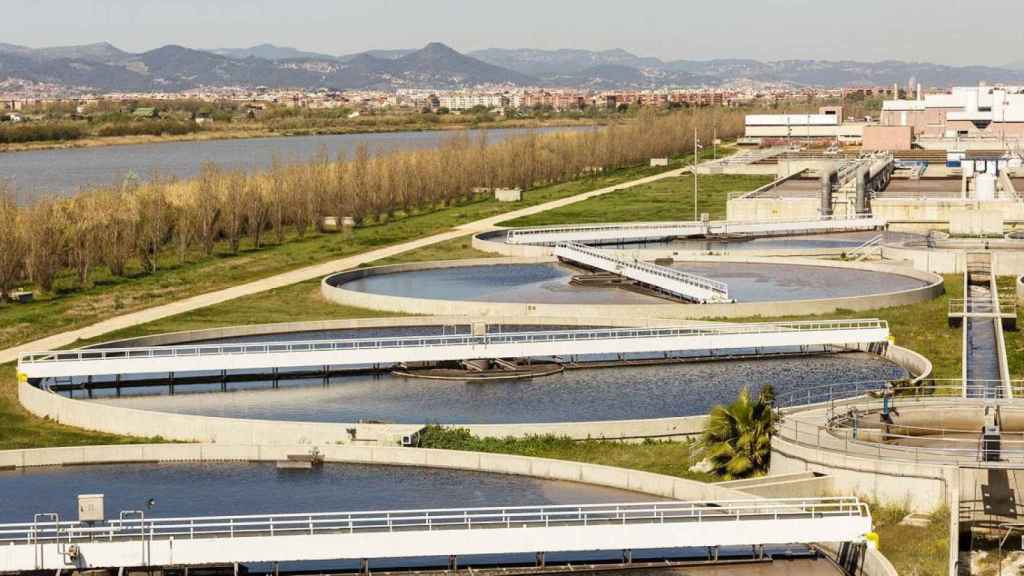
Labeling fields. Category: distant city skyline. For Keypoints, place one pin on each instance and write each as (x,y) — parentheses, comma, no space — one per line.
(869,30)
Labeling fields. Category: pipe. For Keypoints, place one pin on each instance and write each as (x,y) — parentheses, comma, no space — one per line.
(826,190)
(862,184)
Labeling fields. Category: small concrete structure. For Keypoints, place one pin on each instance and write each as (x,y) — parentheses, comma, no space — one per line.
(976,221)
(655,162)
(508,194)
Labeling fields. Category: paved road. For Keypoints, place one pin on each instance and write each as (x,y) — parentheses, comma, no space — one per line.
(301,274)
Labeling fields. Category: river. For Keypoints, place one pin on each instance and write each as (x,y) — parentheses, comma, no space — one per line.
(35,174)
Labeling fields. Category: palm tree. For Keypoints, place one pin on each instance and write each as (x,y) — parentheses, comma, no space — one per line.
(737,438)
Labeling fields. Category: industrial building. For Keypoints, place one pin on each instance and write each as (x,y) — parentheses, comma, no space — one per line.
(826,127)
(966,117)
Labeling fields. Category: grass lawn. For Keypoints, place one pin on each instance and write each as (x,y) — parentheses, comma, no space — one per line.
(913,551)
(670,199)
(922,327)
(70,307)
(19,429)
(460,248)
(670,458)
(298,302)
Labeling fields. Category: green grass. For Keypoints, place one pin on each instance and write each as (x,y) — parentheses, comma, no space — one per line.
(670,199)
(922,327)
(19,429)
(460,248)
(298,302)
(670,458)
(69,307)
(913,551)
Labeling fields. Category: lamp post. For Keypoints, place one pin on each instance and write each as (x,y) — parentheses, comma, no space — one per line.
(696,151)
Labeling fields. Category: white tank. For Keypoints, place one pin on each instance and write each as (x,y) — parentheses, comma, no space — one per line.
(984,187)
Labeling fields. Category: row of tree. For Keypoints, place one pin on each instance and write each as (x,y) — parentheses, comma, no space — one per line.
(139,224)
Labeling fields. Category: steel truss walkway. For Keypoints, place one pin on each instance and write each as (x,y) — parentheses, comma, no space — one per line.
(393,350)
(670,281)
(658,231)
(51,544)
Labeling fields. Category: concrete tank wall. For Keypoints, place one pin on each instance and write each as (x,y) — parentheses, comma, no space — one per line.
(411,305)
(544,468)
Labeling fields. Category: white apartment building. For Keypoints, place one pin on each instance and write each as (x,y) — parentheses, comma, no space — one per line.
(467,101)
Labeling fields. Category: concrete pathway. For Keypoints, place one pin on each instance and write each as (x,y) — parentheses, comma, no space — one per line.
(303,274)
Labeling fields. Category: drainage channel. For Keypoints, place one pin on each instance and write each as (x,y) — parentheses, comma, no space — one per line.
(981,348)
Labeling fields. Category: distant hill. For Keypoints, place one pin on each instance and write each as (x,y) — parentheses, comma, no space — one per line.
(105,67)
(564,62)
(382,54)
(606,68)
(270,52)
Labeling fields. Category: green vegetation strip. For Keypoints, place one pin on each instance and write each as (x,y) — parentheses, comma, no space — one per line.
(19,429)
(671,458)
(670,199)
(913,550)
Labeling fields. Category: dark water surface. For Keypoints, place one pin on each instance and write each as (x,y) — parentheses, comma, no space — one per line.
(578,395)
(194,489)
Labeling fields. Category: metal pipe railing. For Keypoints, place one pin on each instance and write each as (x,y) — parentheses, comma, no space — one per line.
(669,228)
(434,519)
(94,354)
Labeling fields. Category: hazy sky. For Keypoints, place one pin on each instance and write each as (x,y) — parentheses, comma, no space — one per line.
(923,30)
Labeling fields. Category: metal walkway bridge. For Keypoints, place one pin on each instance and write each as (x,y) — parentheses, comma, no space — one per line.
(133,541)
(89,362)
(659,231)
(670,281)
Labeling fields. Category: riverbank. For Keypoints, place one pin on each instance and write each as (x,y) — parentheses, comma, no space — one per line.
(260,131)
(69,308)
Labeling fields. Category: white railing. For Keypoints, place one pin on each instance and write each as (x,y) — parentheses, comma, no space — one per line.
(196,350)
(434,519)
(835,431)
(862,251)
(983,306)
(719,291)
(650,230)
(641,229)
(795,224)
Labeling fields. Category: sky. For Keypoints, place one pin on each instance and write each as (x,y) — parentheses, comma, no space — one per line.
(869,30)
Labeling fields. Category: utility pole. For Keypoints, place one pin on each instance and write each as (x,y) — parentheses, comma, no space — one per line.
(696,151)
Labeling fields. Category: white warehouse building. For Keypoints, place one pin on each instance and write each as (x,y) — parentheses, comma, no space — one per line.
(826,125)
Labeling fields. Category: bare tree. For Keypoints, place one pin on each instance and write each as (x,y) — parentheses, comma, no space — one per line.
(12,243)
(152,218)
(118,244)
(43,227)
(85,234)
(207,206)
(257,209)
(233,199)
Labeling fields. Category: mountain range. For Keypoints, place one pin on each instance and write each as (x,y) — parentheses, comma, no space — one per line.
(105,67)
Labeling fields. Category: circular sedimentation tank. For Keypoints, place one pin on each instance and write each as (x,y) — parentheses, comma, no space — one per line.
(551,283)
(231,488)
(686,386)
